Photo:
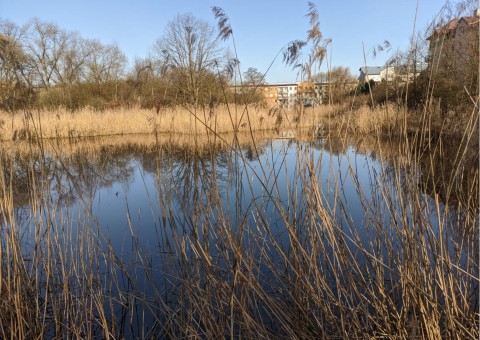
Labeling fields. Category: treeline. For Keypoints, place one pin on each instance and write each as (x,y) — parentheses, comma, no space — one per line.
(43,66)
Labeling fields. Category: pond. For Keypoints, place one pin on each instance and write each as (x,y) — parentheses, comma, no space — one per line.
(223,236)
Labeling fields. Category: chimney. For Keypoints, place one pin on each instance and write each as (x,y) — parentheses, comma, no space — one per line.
(476,13)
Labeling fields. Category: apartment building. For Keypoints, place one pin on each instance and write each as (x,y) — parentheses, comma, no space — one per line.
(287,95)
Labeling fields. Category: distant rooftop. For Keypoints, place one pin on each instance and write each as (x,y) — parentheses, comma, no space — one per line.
(371,70)
(452,24)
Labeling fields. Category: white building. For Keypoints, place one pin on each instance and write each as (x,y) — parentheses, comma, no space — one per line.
(387,73)
(370,73)
(286,94)
(390,73)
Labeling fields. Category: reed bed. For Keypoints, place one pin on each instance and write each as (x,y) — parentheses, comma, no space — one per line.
(271,265)
(386,120)
(180,120)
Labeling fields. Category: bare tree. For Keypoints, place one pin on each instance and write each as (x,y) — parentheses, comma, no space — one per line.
(15,74)
(73,61)
(46,46)
(60,57)
(142,71)
(190,46)
(252,76)
(105,63)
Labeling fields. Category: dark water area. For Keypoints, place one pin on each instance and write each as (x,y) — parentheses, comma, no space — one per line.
(162,215)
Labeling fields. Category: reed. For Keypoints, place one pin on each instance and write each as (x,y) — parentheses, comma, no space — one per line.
(383,120)
(179,120)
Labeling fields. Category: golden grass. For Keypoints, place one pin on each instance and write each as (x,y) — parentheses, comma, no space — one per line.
(412,273)
(383,120)
(88,123)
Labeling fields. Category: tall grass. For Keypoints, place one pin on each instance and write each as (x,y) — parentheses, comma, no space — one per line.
(220,270)
(123,121)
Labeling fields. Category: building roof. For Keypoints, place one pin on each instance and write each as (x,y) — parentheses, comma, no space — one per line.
(397,69)
(371,70)
(471,20)
(453,24)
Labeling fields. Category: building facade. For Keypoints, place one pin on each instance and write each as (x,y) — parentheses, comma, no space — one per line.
(288,95)
(455,46)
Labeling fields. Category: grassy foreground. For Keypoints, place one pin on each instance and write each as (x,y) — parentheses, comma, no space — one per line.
(229,275)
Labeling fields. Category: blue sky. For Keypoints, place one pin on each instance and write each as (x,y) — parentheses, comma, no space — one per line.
(261,28)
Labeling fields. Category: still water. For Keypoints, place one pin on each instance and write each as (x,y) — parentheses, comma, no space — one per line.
(141,193)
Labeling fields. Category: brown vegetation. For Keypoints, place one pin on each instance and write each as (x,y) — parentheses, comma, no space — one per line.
(181,120)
